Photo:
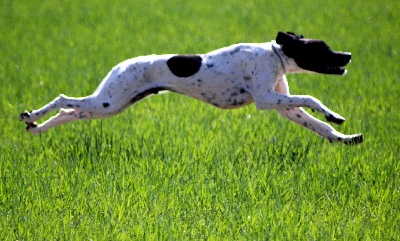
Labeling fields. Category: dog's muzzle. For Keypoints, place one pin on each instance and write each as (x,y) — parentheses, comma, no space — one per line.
(336,62)
(332,63)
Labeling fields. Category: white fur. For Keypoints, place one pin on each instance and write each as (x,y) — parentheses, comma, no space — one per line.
(228,78)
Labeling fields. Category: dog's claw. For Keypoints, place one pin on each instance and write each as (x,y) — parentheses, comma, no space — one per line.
(335,120)
(357,139)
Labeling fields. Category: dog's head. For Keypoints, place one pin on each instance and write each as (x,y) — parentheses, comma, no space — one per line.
(314,55)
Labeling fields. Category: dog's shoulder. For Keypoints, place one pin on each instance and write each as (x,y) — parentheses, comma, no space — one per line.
(242,48)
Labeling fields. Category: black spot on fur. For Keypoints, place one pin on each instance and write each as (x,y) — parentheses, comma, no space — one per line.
(105,105)
(69,106)
(184,65)
(237,49)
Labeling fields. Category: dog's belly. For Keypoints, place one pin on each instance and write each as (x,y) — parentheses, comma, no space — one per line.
(226,99)
(229,100)
(222,94)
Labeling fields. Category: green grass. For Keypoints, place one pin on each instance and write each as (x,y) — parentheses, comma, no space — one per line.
(174,168)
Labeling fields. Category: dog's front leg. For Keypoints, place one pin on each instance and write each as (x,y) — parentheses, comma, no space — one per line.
(274,100)
(301,117)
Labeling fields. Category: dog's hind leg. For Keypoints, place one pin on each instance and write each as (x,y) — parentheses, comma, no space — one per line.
(90,107)
(64,116)
(83,108)
(60,102)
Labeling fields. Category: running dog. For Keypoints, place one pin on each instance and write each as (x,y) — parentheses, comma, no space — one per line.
(227,78)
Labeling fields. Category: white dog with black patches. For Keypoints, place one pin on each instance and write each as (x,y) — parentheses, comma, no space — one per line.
(227,78)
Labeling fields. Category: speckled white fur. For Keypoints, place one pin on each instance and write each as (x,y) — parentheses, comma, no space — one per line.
(228,78)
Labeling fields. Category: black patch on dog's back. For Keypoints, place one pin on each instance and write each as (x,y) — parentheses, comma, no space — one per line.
(184,65)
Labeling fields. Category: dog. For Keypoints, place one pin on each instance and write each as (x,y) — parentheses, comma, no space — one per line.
(227,78)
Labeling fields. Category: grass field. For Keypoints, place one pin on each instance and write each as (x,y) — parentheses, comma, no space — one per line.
(173,168)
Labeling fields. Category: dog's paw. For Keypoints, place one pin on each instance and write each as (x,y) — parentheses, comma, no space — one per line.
(24,116)
(335,119)
(32,127)
(355,139)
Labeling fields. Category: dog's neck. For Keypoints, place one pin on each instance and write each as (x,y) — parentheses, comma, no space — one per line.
(288,64)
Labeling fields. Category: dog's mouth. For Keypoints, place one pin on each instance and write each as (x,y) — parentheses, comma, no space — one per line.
(332,63)
(336,62)
(333,70)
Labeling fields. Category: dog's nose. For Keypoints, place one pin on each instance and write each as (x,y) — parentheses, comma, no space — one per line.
(348,54)
(342,58)
(346,57)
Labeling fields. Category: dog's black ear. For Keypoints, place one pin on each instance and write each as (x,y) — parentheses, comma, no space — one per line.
(289,42)
(283,38)
(298,36)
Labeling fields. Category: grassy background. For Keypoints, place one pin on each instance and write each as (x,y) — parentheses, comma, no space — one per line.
(174,168)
